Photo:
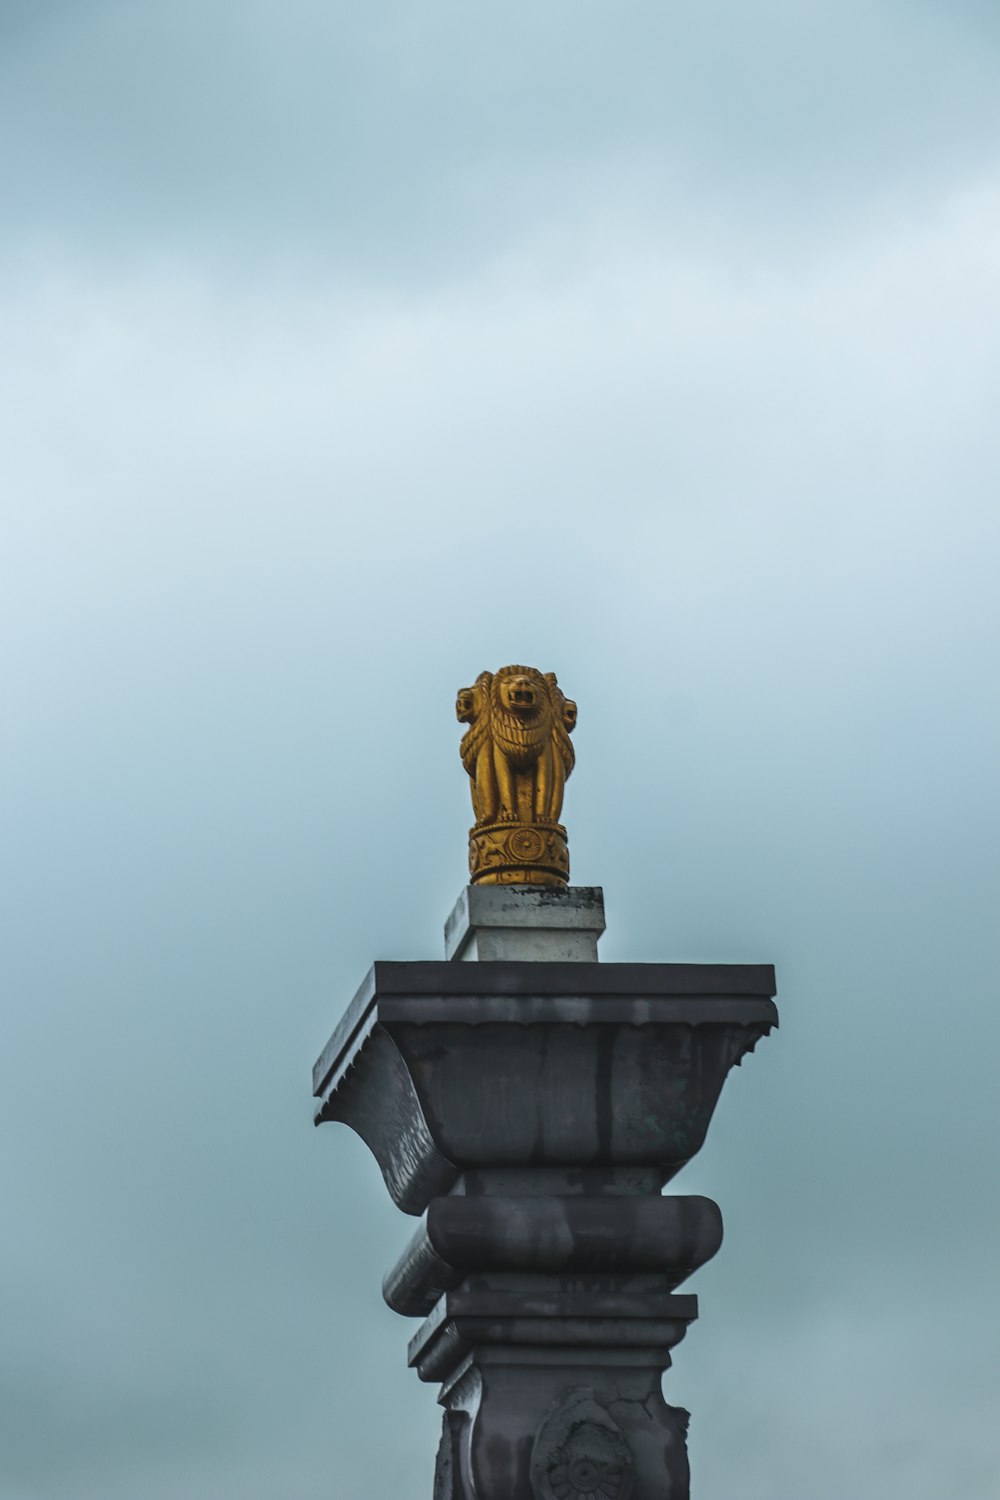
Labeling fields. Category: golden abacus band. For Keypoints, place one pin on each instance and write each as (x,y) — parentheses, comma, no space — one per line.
(518,854)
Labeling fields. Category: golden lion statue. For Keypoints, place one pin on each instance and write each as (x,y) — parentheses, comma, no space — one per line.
(518,754)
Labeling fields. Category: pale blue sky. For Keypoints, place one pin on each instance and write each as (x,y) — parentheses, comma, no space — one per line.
(347,351)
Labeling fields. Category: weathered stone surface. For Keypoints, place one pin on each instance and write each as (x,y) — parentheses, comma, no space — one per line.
(549,1409)
(535,1110)
(528,924)
(619,1242)
(473,1068)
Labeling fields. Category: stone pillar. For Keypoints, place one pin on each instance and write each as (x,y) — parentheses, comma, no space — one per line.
(530,1105)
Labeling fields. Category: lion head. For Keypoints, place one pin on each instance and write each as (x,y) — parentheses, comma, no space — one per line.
(521,692)
(520,713)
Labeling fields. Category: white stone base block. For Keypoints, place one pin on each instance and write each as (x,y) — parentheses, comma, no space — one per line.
(533,924)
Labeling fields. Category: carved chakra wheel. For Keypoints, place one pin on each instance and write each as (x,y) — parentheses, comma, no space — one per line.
(580,1453)
(518,754)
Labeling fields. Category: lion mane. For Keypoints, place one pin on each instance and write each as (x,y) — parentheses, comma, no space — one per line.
(521,740)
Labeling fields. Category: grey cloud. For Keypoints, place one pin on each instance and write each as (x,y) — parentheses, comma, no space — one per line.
(260,523)
(406,139)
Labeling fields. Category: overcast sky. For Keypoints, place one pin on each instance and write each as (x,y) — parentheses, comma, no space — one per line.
(347,350)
